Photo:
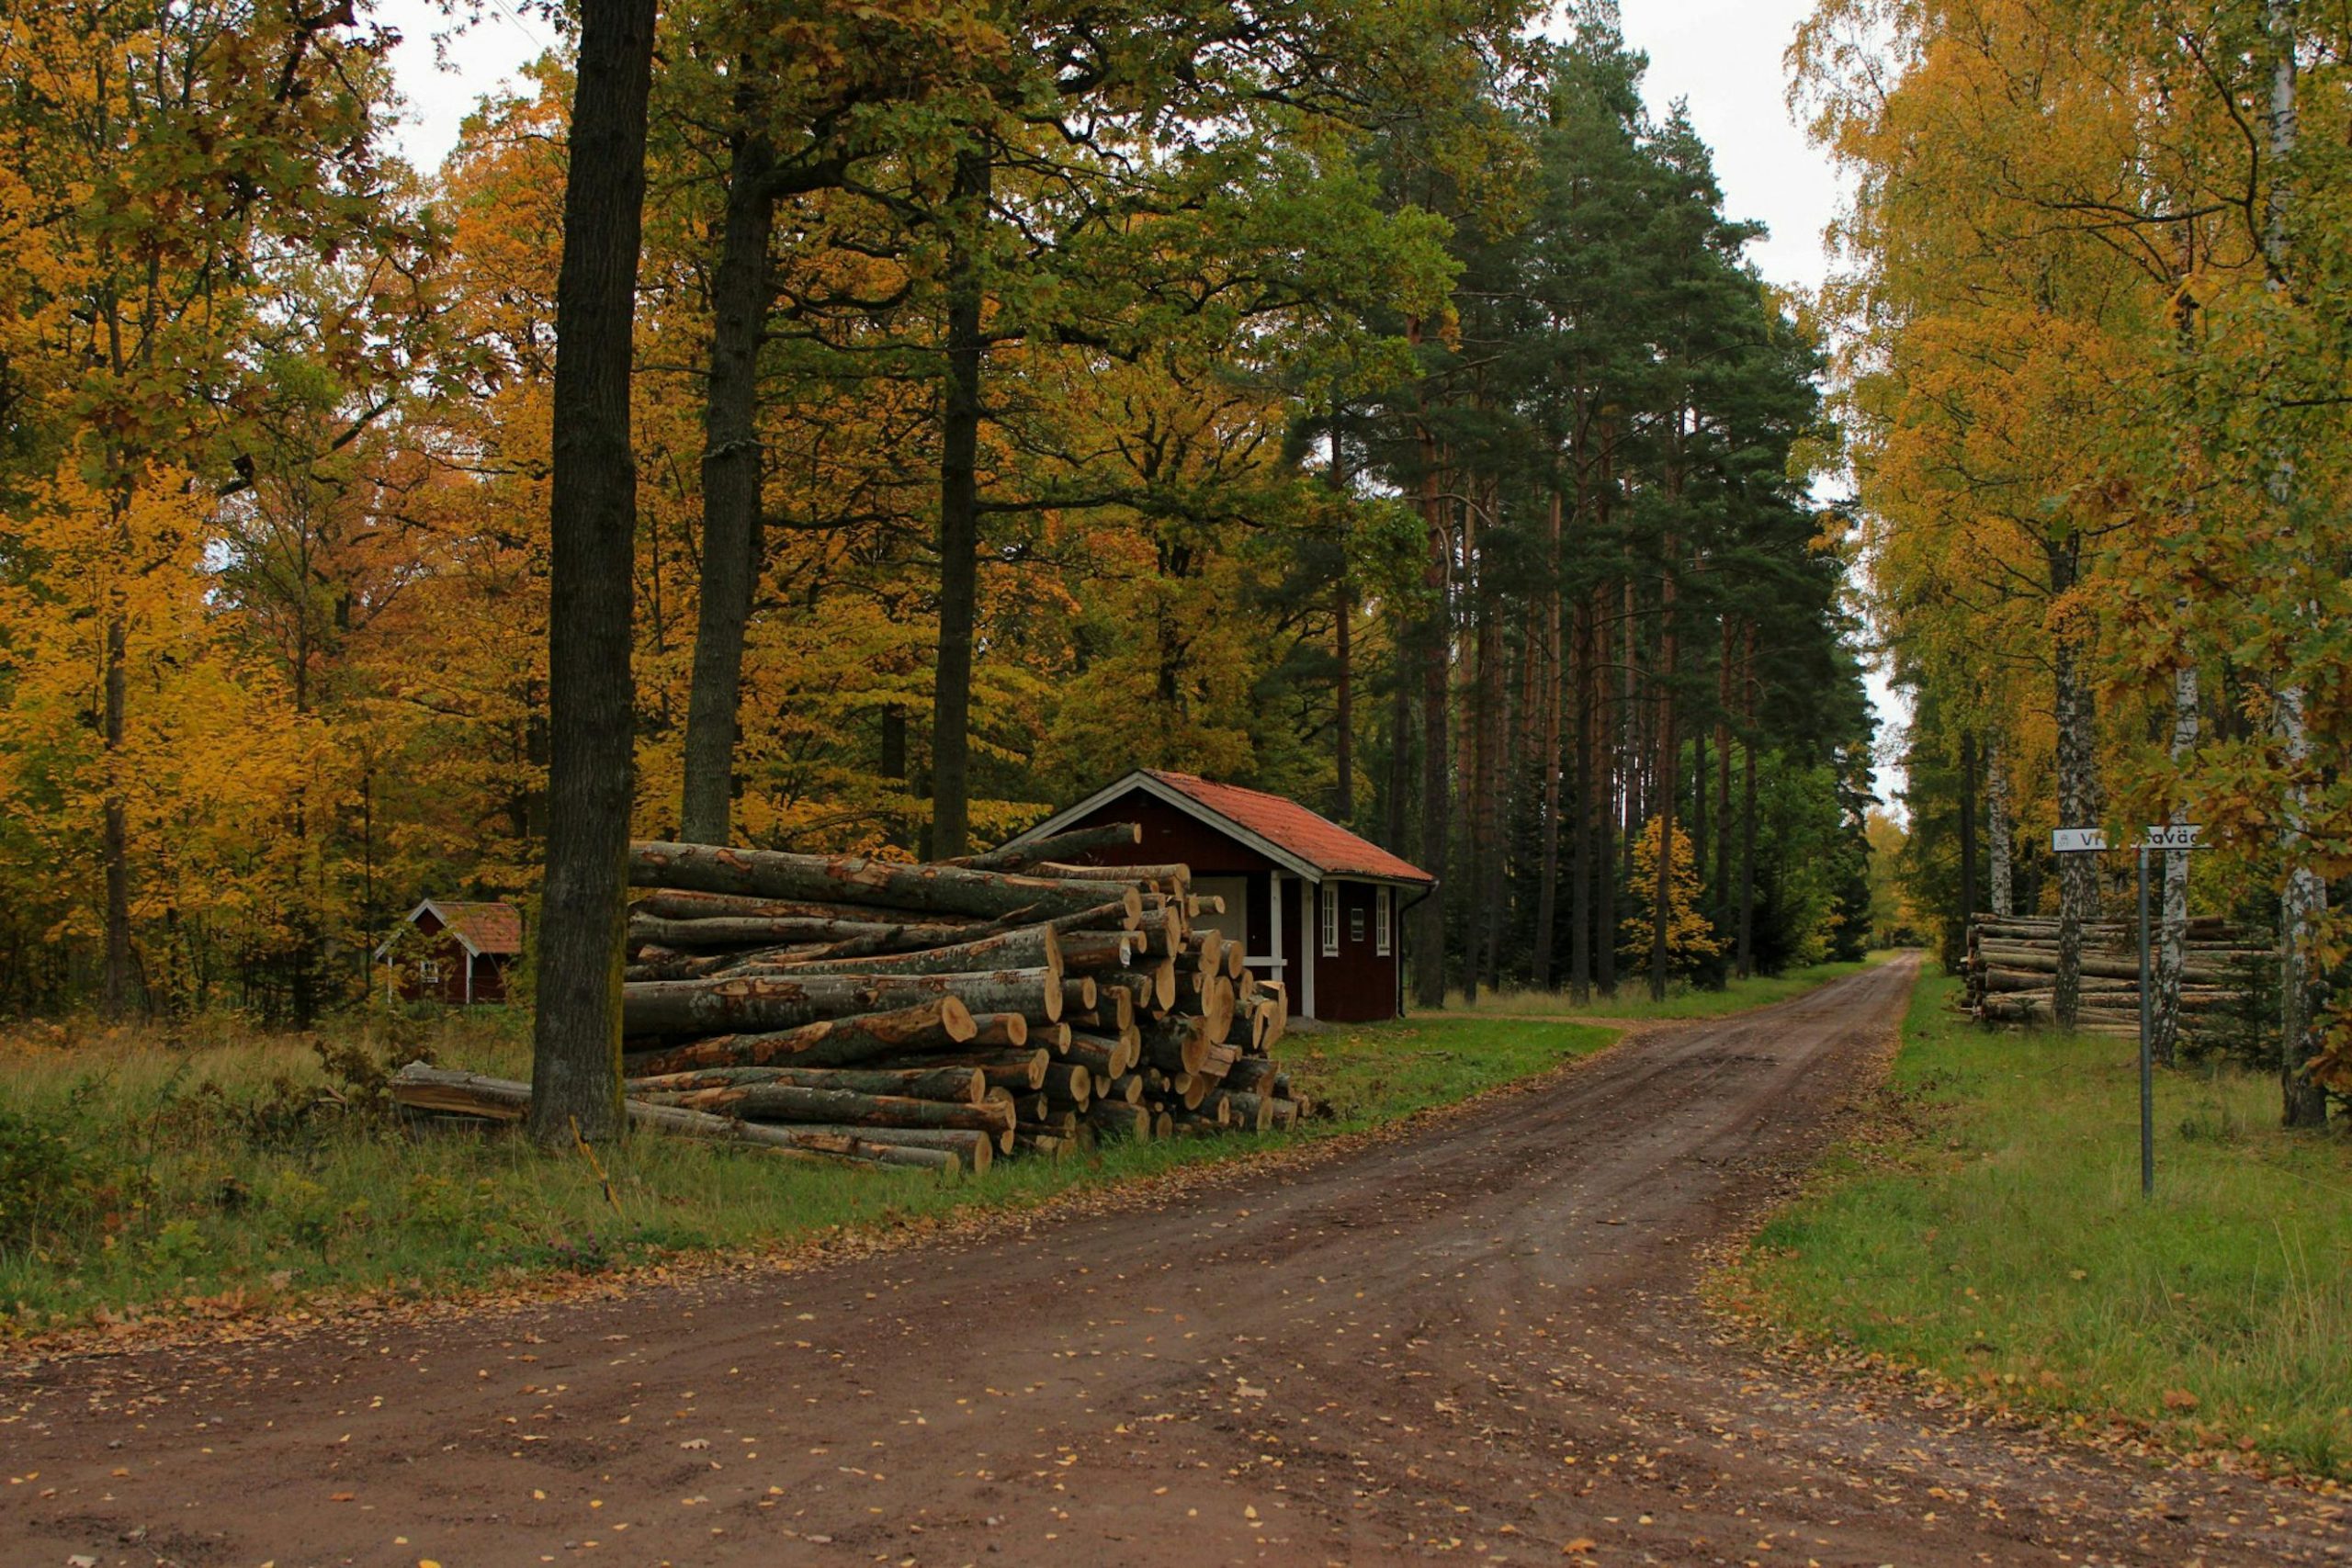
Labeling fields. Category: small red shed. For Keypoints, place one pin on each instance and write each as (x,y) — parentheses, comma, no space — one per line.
(459,954)
(1312,904)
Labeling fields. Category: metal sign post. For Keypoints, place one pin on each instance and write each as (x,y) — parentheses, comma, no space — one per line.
(2167,839)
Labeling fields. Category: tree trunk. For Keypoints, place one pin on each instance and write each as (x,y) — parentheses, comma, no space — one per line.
(1747,806)
(1609,753)
(1581,858)
(116,833)
(2172,949)
(1720,910)
(1437,804)
(576,1037)
(1343,610)
(730,486)
(1998,828)
(2079,802)
(1967,827)
(1667,765)
(2304,901)
(1400,744)
(1550,691)
(959,516)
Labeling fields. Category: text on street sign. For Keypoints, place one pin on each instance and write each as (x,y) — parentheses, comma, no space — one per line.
(2077,841)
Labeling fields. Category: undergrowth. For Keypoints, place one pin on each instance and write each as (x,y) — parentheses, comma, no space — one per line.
(215,1173)
(1990,1230)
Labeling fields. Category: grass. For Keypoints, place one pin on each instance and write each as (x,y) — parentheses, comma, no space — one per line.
(141,1178)
(1992,1233)
(1683,1000)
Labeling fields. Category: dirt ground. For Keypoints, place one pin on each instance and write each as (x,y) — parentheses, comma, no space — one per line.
(1479,1338)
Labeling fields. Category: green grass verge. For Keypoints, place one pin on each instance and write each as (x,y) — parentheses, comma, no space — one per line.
(1633,1002)
(1992,1231)
(137,1177)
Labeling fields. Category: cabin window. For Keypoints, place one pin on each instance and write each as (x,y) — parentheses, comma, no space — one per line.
(429,971)
(1330,920)
(1380,927)
(1355,923)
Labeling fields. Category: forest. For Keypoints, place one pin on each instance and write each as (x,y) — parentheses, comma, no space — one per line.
(956,405)
(2093,337)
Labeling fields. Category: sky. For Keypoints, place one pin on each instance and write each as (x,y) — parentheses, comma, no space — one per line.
(1723,57)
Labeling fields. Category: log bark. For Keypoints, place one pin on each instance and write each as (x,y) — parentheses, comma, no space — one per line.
(958,1143)
(729,933)
(1000,1028)
(592,707)
(855,879)
(778,1002)
(437,1088)
(1029,947)
(1060,847)
(933,1024)
(962,1085)
(786,1102)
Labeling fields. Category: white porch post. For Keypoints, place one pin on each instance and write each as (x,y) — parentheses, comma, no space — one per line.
(1310,942)
(1274,926)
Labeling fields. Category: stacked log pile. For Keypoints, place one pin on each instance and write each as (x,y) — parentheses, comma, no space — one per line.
(2012,973)
(1015,1003)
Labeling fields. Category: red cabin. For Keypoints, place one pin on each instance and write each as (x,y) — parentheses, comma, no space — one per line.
(1312,904)
(456,952)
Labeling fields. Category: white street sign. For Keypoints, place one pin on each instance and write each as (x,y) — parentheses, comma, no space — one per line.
(2077,841)
(2180,838)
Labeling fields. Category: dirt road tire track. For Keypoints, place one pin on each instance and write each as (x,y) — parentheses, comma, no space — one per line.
(1480,1340)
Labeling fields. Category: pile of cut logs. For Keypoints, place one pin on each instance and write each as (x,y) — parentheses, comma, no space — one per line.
(939,1015)
(2011,971)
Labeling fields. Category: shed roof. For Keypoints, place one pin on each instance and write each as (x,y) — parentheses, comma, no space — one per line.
(1306,841)
(480,928)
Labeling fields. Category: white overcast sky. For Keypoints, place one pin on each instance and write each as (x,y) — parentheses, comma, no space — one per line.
(1721,57)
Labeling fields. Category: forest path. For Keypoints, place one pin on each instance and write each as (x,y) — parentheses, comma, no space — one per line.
(1482,1336)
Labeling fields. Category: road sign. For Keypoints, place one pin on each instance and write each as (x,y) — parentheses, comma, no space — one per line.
(2181,838)
(2077,841)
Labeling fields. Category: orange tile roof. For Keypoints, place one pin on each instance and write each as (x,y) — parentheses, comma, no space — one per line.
(1314,838)
(490,928)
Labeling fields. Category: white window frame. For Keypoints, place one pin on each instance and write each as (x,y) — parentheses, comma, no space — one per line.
(1331,919)
(1384,934)
(428,970)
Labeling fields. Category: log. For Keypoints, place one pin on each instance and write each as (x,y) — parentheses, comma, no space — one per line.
(1045,1145)
(1163,875)
(1011,1068)
(1177,1044)
(786,1102)
(1060,847)
(1163,1125)
(1286,1114)
(961,1083)
(1070,1081)
(1050,1124)
(684,904)
(940,1023)
(859,879)
(1027,947)
(973,1149)
(1120,1120)
(999,1029)
(2097,963)
(1216,1009)
(1254,1112)
(725,932)
(1126,1087)
(1097,1054)
(1089,952)
(1079,994)
(1251,1073)
(776,1002)
(439,1089)
(1139,986)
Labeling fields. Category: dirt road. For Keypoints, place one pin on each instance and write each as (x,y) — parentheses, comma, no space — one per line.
(1479,1339)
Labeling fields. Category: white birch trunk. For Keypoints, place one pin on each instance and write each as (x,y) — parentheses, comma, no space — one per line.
(2304,899)
(2164,1027)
